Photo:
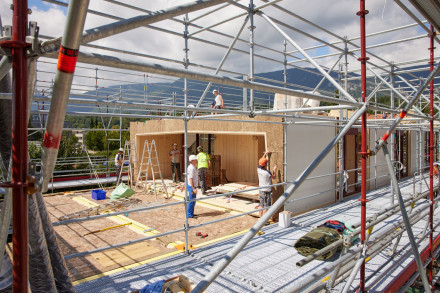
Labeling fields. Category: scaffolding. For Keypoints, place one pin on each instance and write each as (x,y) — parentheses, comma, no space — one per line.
(301,44)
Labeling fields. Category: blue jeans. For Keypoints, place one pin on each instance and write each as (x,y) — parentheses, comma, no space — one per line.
(192,204)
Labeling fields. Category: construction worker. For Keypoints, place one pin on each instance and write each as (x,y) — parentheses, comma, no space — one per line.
(203,163)
(118,164)
(192,184)
(265,180)
(218,101)
(175,156)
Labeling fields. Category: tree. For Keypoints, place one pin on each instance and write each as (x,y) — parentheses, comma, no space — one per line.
(125,135)
(34,150)
(69,147)
(95,140)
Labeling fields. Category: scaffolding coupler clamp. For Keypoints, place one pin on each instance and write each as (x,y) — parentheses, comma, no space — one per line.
(31,184)
(35,48)
(7,36)
(367,153)
(362,12)
(363,200)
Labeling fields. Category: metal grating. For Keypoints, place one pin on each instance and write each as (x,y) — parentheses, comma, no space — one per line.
(268,263)
(430,9)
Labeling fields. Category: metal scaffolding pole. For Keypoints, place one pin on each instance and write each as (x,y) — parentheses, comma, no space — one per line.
(391,86)
(103,60)
(76,16)
(222,263)
(251,55)
(406,220)
(393,136)
(363,59)
(186,118)
(104,31)
(404,112)
(5,66)
(310,59)
(19,147)
(414,88)
(431,157)
(199,103)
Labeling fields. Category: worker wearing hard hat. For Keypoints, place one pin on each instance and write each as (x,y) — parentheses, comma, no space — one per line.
(118,164)
(203,163)
(218,101)
(265,180)
(192,184)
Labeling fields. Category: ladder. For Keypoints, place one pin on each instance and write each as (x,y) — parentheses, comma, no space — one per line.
(92,169)
(150,161)
(129,152)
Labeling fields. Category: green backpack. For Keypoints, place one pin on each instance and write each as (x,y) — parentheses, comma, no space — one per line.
(317,239)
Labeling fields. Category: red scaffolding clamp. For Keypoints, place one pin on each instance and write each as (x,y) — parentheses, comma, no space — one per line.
(362,12)
(366,154)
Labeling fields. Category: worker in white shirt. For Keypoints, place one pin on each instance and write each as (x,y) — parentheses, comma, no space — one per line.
(265,180)
(118,164)
(192,184)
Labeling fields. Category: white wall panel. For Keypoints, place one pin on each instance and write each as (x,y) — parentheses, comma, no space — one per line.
(381,169)
(304,143)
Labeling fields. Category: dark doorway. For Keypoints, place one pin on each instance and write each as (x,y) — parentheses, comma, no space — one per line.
(401,150)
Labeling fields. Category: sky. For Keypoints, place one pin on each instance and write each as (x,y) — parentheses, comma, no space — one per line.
(337,16)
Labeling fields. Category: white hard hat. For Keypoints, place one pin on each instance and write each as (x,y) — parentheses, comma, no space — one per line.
(214,91)
(121,149)
(192,158)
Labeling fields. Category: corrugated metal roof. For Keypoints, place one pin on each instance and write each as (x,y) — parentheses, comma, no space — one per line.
(430,9)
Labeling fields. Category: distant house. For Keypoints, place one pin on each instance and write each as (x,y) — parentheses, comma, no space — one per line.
(81,135)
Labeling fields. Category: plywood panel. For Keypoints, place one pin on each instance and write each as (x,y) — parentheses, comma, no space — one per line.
(163,146)
(239,156)
(350,160)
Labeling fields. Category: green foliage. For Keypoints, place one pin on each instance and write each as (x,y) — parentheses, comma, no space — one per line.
(95,140)
(34,150)
(125,135)
(69,147)
(77,121)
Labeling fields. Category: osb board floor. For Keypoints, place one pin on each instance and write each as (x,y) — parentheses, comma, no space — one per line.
(224,202)
(72,240)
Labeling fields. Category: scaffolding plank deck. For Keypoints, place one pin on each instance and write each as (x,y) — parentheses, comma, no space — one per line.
(240,186)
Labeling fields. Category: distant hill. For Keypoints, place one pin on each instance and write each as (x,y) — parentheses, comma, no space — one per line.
(160,93)
(170,93)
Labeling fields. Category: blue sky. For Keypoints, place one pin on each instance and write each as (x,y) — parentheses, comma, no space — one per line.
(42,5)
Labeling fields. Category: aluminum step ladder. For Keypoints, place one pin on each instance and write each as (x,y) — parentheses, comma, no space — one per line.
(150,161)
(130,153)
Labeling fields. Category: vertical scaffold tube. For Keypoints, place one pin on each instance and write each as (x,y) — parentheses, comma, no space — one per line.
(406,221)
(363,59)
(185,94)
(251,54)
(431,154)
(20,235)
(76,16)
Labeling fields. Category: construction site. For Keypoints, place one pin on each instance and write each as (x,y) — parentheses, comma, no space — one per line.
(107,106)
